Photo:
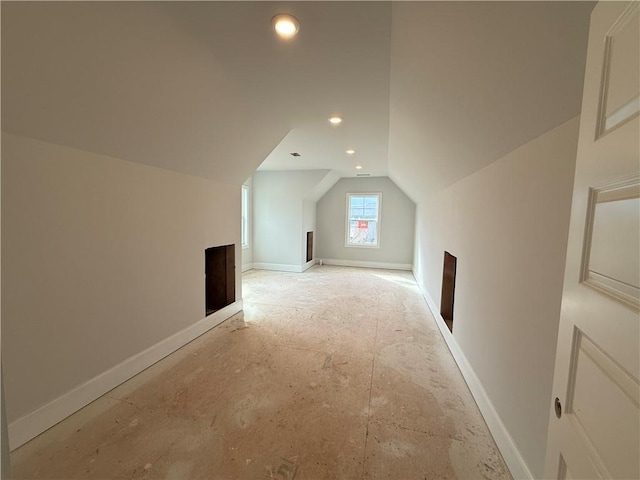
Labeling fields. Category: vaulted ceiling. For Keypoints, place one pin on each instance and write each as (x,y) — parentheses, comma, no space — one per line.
(429,91)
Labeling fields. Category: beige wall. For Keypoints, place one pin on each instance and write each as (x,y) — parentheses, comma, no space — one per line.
(507,224)
(102,258)
(397,217)
(284,210)
(4,428)
(508,72)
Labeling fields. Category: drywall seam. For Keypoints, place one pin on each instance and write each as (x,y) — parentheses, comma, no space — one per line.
(356,263)
(509,450)
(29,426)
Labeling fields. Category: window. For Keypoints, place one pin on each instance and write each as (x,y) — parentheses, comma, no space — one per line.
(245,216)
(363,219)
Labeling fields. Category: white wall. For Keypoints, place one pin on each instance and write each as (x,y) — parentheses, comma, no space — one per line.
(507,224)
(396,223)
(102,258)
(284,210)
(247,252)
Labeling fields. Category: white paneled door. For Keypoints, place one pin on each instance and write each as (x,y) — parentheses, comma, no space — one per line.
(594,428)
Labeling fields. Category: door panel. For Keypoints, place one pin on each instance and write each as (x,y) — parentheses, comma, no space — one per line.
(611,260)
(619,99)
(598,360)
(603,401)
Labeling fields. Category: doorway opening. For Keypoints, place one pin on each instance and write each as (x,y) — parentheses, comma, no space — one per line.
(220,282)
(448,289)
(309,246)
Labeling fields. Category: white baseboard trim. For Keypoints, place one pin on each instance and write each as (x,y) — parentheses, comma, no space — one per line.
(356,263)
(309,264)
(247,266)
(278,267)
(506,445)
(33,424)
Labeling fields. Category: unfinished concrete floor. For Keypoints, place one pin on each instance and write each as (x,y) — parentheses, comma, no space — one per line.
(336,373)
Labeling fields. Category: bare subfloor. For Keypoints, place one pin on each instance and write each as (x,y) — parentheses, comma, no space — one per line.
(336,373)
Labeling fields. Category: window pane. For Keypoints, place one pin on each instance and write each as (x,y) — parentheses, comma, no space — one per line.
(362,232)
(363,219)
(370,213)
(371,202)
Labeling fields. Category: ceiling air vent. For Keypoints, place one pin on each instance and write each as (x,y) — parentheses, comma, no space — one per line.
(295,154)
(363,174)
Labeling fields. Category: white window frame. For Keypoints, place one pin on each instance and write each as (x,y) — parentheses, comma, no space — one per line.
(348,219)
(244,229)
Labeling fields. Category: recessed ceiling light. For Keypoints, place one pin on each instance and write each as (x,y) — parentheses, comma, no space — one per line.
(286,26)
(358,167)
(335,120)
(351,151)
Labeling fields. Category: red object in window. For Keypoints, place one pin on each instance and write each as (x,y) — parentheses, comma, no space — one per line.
(363,225)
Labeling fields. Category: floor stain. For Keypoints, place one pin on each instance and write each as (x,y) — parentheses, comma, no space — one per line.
(327,363)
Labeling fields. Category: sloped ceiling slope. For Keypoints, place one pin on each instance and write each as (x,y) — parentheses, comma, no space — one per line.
(472,81)
(430,91)
(203,88)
